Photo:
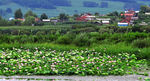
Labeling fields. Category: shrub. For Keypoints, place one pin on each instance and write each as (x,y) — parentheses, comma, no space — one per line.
(82,40)
(65,39)
(142,43)
(105,30)
(41,33)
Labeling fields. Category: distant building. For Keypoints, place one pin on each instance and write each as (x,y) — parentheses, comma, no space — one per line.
(46,20)
(37,20)
(103,19)
(130,17)
(106,22)
(134,18)
(123,24)
(54,21)
(86,17)
(147,13)
(11,18)
(21,19)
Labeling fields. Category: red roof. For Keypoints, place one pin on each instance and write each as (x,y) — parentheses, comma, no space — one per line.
(128,16)
(21,19)
(83,17)
(37,19)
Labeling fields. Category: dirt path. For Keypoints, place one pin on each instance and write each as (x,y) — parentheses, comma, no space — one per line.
(73,78)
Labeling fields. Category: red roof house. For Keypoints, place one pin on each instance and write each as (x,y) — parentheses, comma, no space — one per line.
(85,17)
(128,16)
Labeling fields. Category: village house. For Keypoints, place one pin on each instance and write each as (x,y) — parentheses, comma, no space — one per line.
(86,17)
(54,21)
(104,20)
(147,13)
(130,17)
(46,20)
(122,24)
(37,20)
(11,18)
(21,19)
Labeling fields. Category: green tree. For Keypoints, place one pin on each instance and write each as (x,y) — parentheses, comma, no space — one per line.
(29,20)
(44,16)
(75,16)
(1,18)
(144,9)
(30,13)
(3,22)
(115,13)
(97,14)
(63,17)
(18,14)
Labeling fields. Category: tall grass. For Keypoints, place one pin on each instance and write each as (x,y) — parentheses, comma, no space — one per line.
(105,43)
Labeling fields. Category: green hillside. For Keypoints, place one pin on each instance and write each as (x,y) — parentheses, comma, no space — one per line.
(54,7)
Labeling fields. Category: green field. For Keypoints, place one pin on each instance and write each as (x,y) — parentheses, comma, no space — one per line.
(117,53)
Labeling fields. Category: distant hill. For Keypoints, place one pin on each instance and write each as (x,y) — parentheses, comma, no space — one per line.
(54,7)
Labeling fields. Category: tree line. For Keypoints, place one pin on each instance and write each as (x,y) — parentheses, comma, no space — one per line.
(29,18)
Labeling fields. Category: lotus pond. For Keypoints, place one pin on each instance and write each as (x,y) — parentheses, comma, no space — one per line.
(74,62)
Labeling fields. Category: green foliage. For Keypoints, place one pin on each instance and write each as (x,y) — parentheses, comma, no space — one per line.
(144,9)
(65,39)
(115,13)
(44,16)
(82,40)
(147,79)
(30,13)
(18,14)
(63,17)
(29,20)
(74,62)
(75,16)
(142,43)
(15,22)
(3,22)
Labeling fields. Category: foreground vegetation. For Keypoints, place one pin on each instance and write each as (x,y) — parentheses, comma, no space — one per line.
(73,62)
(72,53)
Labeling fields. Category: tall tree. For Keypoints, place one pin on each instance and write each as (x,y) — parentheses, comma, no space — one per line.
(44,16)
(97,14)
(30,13)
(18,14)
(63,17)
(144,9)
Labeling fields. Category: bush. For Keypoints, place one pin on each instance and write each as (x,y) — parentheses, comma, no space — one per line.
(142,43)
(65,39)
(82,40)
(41,33)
